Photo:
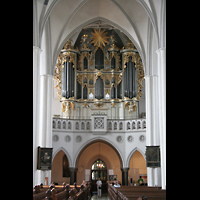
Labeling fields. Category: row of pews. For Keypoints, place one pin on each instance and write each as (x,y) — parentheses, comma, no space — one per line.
(62,192)
(134,192)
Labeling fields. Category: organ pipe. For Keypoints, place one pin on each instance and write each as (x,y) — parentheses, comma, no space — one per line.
(96,73)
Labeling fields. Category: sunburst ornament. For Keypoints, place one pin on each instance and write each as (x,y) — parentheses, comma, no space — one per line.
(99,38)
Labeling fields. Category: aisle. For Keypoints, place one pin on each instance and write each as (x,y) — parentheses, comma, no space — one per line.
(103,197)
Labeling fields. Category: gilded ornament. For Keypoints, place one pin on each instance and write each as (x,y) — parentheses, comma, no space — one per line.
(91,91)
(68,45)
(113,104)
(126,104)
(79,78)
(99,38)
(107,91)
(129,44)
(99,105)
(119,78)
(85,104)
(99,74)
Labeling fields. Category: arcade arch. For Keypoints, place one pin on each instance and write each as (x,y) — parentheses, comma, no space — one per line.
(137,166)
(57,168)
(93,151)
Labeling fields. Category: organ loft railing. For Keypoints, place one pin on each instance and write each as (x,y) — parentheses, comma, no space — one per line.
(99,73)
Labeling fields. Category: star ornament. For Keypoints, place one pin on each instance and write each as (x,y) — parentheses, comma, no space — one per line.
(99,37)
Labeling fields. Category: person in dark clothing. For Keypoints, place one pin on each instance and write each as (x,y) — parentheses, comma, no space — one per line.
(142,198)
(131,181)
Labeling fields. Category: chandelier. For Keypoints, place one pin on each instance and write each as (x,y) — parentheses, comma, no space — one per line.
(100,165)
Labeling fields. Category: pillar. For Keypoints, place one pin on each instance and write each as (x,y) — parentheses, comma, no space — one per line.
(162,110)
(36,88)
(152,128)
(45,119)
(125,175)
(73,171)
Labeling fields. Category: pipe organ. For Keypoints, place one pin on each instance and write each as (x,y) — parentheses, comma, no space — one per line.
(98,73)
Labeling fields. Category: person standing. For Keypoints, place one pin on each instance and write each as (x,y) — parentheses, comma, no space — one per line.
(140,180)
(131,182)
(99,185)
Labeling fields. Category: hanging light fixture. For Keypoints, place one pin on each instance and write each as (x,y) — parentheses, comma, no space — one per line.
(100,165)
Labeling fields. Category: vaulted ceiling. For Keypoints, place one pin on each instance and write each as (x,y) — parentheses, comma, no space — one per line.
(65,19)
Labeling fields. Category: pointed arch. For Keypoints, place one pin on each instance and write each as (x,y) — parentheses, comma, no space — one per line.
(95,140)
(131,153)
(66,153)
(78,28)
(96,157)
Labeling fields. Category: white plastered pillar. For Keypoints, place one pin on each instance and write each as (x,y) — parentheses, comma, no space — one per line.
(162,110)
(45,120)
(152,130)
(45,101)
(36,79)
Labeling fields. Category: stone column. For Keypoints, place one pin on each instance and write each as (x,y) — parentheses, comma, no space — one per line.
(152,128)
(45,118)
(73,171)
(162,110)
(36,88)
(125,175)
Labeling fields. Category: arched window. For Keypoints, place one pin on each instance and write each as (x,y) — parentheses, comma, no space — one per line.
(66,172)
(99,170)
(69,125)
(110,126)
(77,126)
(82,126)
(115,126)
(64,125)
(120,126)
(133,125)
(99,164)
(88,126)
(59,126)
(128,126)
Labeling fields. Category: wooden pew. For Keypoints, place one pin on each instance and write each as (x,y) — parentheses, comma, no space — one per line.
(39,196)
(61,192)
(73,194)
(40,193)
(133,193)
(62,195)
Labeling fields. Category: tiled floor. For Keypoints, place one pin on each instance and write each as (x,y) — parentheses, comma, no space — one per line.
(103,197)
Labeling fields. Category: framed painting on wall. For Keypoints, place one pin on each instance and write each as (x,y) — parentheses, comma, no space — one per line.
(44,159)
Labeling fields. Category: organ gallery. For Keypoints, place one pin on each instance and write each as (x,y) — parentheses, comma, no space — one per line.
(98,71)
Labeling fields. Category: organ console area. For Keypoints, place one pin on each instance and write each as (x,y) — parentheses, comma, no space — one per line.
(99,75)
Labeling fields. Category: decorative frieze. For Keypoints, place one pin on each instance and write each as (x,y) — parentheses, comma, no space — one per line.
(99,124)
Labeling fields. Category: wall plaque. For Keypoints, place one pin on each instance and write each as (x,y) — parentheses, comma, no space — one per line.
(153,156)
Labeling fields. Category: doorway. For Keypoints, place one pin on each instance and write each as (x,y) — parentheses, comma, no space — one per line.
(99,170)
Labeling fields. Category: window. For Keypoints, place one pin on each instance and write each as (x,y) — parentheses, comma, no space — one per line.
(99,164)
(99,170)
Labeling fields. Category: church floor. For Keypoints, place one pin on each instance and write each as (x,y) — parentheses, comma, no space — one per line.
(103,197)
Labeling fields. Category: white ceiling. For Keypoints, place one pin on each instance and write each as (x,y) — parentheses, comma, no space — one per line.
(66,18)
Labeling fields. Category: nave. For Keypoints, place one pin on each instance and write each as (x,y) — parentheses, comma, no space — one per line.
(103,197)
(99,91)
(81,192)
